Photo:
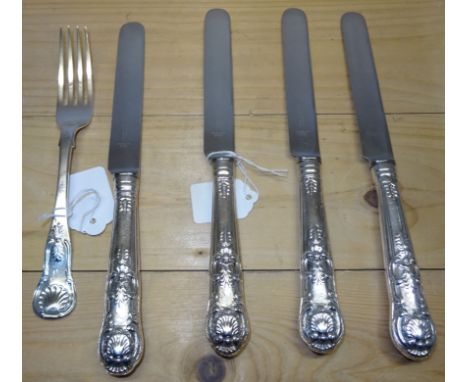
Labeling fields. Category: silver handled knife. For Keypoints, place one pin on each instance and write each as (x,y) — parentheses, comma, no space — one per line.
(121,338)
(227,326)
(411,327)
(320,321)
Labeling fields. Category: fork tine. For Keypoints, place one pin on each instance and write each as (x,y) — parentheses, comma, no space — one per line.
(70,67)
(61,71)
(79,67)
(88,68)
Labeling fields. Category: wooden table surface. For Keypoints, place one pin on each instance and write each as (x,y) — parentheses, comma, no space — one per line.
(408,45)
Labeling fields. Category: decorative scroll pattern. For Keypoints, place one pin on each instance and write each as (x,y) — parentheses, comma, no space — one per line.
(121,339)
(227,328)
(412,329)
(58,243)
(311,184)
(320,321)
(390,189)
(126,203)
(223,187)
(227,323)
(54,296)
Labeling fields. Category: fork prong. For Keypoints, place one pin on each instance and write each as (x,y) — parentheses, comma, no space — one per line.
(70,68)
(88,68)
(61,70)
(79,67)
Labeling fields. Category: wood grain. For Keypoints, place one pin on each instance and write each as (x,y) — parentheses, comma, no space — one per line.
(407,38)
(408,44)
(172,160)
(174,306)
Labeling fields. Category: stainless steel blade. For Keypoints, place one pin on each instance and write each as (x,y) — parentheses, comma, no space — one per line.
(217,78)
(375,139)
(124,150)
(302,119)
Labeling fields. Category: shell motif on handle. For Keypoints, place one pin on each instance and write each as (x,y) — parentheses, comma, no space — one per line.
(121,338)
(55,295)
(320,321)
(411,327)
(227,326)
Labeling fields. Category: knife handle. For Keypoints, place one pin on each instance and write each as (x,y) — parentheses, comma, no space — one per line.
(411,327)
(320,321)
(55,295)
(228,327)
(121,337)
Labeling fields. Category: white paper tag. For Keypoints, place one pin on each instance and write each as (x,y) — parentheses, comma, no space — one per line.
(202,200)
(94,210)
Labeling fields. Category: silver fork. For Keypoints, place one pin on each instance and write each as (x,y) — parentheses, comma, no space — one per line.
(55,296)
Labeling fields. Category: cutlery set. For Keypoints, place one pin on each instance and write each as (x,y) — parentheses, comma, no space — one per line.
(321,326)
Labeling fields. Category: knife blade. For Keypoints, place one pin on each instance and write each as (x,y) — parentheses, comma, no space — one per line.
(373,129)
(411,327)
(124,149)
(121,330)
(217,85)
(300,103)
(320,321)
(227,322)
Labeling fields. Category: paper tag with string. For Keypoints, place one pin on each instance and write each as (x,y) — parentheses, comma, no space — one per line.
(246,192)
(90,200)
(202,200)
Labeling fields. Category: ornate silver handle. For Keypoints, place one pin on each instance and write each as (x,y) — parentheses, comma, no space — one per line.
(55,296)
(320,321)
(411,327)
(228,326)
(121,337)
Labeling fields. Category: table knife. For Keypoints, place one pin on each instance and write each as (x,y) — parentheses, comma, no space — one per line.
(411,327)
(227,322)
(320,321)
(121,337)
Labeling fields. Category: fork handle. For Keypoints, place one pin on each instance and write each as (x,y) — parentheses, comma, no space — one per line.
(228,328)
(320,321)
(411,327)
(121,337)
(55,295)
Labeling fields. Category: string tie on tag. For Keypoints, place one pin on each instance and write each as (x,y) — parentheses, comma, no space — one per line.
(242,161)
(71,207)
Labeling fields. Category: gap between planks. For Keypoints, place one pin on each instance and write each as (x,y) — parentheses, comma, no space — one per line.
(244,271)
(188,115)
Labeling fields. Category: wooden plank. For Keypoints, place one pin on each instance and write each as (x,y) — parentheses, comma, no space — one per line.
(174,308)
(172,160)
(407,38)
